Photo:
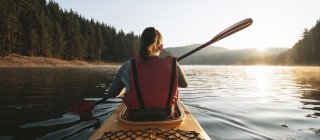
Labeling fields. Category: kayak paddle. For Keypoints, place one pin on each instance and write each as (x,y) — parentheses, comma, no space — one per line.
(226,32)
(88,106)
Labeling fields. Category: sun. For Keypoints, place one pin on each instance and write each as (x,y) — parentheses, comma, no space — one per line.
(261,49)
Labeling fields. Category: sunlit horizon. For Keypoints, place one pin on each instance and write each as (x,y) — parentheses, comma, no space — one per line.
(276,23)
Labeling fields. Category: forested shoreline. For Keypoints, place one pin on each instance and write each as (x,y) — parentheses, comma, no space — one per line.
(306,51)
(40,28)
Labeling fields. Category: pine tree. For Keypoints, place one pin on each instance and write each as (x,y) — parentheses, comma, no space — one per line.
(45,31)
(99,42)
(58,41)
(3,26)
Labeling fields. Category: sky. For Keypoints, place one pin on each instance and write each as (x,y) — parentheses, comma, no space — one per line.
(276,23)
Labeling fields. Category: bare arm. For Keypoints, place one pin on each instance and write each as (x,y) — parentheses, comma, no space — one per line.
(182,78)
(121,80)
(116,87)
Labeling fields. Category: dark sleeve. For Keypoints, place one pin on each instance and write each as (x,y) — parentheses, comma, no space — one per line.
(117,85)
(182,78)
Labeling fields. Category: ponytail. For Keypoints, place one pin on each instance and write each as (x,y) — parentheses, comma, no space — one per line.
(149,42)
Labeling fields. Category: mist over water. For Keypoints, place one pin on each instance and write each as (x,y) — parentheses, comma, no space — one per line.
(230,102)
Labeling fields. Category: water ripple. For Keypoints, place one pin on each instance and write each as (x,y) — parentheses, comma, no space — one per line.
(230,102)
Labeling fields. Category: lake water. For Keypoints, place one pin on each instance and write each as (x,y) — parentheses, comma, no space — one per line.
(230,102)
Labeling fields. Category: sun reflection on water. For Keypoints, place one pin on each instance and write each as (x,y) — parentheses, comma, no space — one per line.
(262,79)
(269,99)
(268,80)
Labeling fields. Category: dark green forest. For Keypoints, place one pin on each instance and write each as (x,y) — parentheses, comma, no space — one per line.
(306,51)
(41,28)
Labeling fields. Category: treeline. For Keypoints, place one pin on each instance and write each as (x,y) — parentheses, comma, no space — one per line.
(41,28)
(306,51)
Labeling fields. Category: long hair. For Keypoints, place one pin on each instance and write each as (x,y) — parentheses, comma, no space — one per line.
(150,42)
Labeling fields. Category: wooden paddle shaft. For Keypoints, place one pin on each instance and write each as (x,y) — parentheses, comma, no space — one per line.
(226,32)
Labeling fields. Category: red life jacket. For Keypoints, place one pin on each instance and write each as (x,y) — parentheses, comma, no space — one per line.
(153,84)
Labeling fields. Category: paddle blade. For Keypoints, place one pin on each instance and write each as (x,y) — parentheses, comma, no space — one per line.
(226,32)
(82,107)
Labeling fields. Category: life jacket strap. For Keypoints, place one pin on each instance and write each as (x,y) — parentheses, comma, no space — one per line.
(171,86)
(136,85)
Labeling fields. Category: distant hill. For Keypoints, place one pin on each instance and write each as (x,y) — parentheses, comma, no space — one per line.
(212,55)
(178,51)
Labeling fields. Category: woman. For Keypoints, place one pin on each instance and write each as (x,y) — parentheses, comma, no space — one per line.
(151,82)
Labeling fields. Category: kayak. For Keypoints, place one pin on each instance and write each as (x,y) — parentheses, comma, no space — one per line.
(185,126)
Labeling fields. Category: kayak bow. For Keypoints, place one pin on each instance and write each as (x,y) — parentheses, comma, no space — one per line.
(183,127)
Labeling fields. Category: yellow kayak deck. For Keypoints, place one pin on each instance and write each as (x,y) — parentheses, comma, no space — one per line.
(115,125)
